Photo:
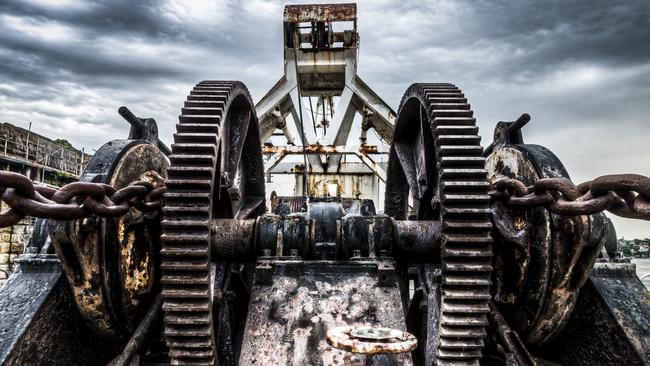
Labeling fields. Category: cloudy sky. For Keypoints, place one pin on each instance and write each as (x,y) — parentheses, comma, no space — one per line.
(580,68)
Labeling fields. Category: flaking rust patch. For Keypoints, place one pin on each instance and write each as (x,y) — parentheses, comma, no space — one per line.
(138,276)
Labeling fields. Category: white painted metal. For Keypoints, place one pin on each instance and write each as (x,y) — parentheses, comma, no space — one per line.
(324,72)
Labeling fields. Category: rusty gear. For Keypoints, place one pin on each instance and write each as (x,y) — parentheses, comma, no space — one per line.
(443,167)
(203,169)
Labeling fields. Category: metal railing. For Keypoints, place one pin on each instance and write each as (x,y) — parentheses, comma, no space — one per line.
(61,159)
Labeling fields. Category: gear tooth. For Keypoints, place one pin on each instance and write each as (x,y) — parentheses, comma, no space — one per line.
(187,293)
(465,212)
(466,251)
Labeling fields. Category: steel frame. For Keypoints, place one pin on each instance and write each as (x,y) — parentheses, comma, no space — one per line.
(323,71)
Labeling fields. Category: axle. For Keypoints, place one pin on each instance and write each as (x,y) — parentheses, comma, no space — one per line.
(352,236)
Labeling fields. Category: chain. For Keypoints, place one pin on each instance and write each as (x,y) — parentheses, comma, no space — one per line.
(74,200)
(625,195)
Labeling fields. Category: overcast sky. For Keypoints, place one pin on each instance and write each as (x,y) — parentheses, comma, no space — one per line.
(580,68)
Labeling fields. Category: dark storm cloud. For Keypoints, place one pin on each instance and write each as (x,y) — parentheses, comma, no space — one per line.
(114,17)
(598,30)
(102,32)
(580,68)
(37,61)
(513,38)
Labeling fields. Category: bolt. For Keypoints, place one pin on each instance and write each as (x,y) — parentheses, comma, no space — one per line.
(266,252)
(293,252)
(356,253)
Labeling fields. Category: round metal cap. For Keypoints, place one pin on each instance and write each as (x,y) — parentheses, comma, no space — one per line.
(371,340)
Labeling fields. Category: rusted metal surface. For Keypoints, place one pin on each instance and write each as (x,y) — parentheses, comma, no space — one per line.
(444,178)
(610,324)
(297,203)
(233,239)
(320,13)
(418,241)
(144,129)
(514,349)
(216,173)
(321,61)
(545,253)
(626,195)
(326,262)
(351,233)
(321,149)
(371,340)
(39,321)
(139,335)
(288,320)
(523,268)
(75,201)
(112,264)
(138,235)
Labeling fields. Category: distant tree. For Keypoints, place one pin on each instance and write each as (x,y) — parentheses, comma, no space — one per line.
(64,143)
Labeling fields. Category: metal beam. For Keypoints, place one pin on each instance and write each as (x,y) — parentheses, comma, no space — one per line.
(340,126)
(273,161)
(347,168)
(275,97)
(321,149)
(382,117)
(374,166)
(314,160)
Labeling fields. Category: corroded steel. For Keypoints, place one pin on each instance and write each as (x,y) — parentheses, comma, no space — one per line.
(572,229)
(436,157)
(140,334)
(73,201)
(610,324)
(516,353)
(370,340)
(320,13)
(486,256)
(120,251)
(543,258)
(626,195)
(143,129)
(216,172)
(290,315)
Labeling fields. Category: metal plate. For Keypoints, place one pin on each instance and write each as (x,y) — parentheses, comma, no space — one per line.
(371,340)
(288,320)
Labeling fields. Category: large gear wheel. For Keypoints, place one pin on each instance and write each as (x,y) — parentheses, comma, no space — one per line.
(216,172)
(436,167)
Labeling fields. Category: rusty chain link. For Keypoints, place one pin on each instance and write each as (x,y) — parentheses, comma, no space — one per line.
(625,195)
(74,200)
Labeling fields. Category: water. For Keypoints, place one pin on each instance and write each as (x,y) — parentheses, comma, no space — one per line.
(643,268)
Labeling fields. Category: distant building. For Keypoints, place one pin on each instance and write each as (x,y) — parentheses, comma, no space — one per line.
(634,247)
(41,159)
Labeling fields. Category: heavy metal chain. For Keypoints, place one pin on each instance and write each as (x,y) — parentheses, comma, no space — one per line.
(626,195)
(74,200)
